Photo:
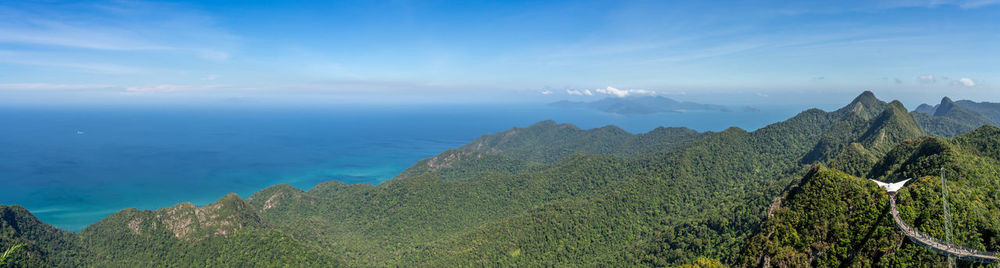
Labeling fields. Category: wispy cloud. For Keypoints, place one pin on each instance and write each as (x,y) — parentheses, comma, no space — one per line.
(90,67)
(711,52)
(172,88)
(164,88)
(116,26)
(54,33)
(926,78)
(966,82)
(579,92)
(48,86)
(978,3)
(621,93)
(967,4)
(546,92)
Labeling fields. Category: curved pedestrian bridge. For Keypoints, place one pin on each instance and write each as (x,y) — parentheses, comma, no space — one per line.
(929,242)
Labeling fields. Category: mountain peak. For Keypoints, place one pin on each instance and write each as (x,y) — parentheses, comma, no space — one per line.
(867,98)
(865,106)
(945,106)
(925,108)
(898,106)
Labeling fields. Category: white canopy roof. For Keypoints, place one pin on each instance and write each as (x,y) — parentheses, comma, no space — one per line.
(891,187)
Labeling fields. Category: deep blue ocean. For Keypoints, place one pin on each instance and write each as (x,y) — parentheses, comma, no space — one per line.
(74,166)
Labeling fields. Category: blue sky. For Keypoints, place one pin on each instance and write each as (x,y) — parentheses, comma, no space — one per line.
(290,52)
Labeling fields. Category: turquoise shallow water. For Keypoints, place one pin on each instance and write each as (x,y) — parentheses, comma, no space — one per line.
(74,166)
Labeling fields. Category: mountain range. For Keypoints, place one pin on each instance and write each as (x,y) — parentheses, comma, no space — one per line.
(789,194)
(952,118)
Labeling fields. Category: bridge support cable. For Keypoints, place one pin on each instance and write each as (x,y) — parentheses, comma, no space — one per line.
(947,215)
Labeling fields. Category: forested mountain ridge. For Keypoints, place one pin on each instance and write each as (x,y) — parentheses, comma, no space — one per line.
(548,142)
(949,118)
(631,184)
(548,194)
(990,110)
(866,127)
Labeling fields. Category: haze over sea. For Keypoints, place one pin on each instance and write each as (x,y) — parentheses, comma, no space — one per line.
(74,166)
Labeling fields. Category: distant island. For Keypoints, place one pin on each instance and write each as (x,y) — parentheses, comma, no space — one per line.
(640,105)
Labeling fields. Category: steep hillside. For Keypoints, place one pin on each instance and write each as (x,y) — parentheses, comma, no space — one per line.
(830,219)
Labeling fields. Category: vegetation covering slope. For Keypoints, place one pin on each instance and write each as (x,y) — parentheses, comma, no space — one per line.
(830,219)
(551,194)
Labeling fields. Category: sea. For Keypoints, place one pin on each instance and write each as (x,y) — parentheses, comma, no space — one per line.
(73,166)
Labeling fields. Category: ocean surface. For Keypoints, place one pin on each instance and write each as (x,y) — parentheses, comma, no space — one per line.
(72,167)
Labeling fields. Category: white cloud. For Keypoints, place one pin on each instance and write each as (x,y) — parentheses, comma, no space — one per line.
(580,92)
(624,93)
(171,88)
(613,91)
(546,92)
(926,78)
(211,77)
(967,82)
